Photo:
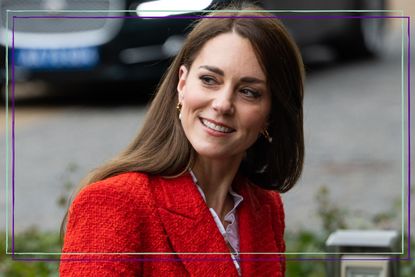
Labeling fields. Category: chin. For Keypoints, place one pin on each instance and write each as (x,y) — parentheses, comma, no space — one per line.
(214,153)
(211,153)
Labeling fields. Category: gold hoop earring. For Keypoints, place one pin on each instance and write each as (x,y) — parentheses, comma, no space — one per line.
(266,135)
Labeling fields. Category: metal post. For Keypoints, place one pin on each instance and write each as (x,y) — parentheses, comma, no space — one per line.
(363,253)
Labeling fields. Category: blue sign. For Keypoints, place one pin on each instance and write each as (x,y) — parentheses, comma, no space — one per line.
(61,58)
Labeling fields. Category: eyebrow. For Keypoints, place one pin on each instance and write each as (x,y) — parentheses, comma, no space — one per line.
(250,80)
(213,69)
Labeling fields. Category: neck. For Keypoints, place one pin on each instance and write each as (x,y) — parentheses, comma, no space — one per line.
(215,177)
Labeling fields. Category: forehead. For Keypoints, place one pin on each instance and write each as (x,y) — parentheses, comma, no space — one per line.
(231,53)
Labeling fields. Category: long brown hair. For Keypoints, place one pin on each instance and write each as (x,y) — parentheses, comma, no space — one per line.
(161,147)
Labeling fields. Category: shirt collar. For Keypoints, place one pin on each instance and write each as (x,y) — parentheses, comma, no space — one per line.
(237,198)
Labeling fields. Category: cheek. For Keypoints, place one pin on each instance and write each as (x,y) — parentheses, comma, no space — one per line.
(255,132)
(193,99)
(253,128)
(255,120)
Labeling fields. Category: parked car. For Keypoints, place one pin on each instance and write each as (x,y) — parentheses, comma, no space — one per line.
(110,48)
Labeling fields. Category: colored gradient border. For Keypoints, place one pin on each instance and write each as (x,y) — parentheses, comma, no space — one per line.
(13,253)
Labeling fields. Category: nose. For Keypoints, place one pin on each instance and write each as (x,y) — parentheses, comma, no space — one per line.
(223,102)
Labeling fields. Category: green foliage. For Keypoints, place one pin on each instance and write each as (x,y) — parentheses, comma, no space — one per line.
(306,242)
(332,218)
(31,240)
(408,267)
(68,184)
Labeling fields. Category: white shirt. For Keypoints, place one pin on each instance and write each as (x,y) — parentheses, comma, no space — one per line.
(230,234)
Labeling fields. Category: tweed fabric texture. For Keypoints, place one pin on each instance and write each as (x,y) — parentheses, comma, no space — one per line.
(134,224)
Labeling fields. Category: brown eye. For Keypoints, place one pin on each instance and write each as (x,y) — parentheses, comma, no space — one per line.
(250,93)
(207,80)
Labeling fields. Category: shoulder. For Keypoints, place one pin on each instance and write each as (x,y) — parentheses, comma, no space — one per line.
(122,196)
(273,200)
(257,196)
(125,187)
(122,183)
(105,216)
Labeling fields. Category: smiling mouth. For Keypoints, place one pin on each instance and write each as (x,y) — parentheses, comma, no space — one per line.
(215,127)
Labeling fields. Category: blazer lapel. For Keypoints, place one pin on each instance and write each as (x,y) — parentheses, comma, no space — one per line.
(191,228)
(256,235)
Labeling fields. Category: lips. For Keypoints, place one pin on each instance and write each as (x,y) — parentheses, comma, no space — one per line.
(216,126)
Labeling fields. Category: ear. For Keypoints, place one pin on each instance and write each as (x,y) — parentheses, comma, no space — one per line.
(182,81)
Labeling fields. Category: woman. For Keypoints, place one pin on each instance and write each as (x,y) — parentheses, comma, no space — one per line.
(196,193)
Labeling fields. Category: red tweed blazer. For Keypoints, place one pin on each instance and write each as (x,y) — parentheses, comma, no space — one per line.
(163,224)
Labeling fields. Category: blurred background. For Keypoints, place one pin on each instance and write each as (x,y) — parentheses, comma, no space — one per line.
(82,86)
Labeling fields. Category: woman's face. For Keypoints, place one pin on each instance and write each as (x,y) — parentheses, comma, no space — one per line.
(224,96)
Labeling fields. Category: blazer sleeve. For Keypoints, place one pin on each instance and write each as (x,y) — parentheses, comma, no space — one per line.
(103,221)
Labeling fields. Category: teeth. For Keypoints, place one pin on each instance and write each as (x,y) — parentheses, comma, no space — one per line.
(215,127)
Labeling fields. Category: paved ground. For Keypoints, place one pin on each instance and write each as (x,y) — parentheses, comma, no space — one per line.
(353,133)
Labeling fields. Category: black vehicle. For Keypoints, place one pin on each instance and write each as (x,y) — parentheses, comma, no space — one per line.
(91,41)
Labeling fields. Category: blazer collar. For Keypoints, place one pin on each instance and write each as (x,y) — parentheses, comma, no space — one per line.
(191,228)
